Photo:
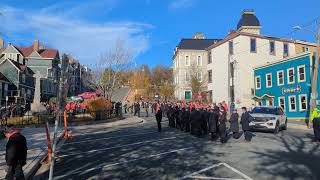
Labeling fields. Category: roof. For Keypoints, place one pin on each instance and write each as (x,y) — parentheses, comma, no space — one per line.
(44,53)
(248,19)
(3,78)
(21,67)
(196,44)
(48,53)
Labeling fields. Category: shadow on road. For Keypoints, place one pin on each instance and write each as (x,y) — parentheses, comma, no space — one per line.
(298,159)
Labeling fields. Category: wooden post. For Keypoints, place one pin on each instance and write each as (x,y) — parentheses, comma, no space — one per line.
(66,133)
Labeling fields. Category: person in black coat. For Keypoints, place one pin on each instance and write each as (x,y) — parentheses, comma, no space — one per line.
(177,117)
(159,119)
(213,122)
(222,124)
(245,120)
(171,117)
(16,154)
(196,122)
(186,120)
(181,118)
(234,123)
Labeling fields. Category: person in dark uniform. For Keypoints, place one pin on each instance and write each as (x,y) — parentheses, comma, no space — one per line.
(193,114)
(159,117)
(222,124)
(181,118)
(177,117)
(234,124)
(196,122)
(186,120)
(204,121)
(16,154)
(213,122)
(171,116)
(245,120)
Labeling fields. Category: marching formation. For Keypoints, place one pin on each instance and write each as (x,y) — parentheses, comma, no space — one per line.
(202,119)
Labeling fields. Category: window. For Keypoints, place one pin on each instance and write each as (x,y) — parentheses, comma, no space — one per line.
(199,61)
(209,57)
(285,50)
(305,49)
(23,91)
(187,61)
(272,48)
(258,82)
(269,80)
(280,78)
(303,102)
(187,76)
(210,76)
(292,103)
(270,102)
(199,76)
(290,75)
(281,103)
(301,73)
(253,45)
(23,78)
(18,58)
(230,47)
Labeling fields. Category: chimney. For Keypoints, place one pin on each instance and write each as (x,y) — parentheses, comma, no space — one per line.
(1,43)
(198,35)
(36,45)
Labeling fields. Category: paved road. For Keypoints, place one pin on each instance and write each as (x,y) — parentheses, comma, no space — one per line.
(140,152)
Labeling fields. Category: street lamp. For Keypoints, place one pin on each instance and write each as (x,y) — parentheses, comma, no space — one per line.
(315,73)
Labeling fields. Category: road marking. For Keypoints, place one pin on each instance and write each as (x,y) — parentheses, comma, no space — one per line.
(102,149)
(237,171)
(216,178)
(112,137)
(216,165)
(133,160)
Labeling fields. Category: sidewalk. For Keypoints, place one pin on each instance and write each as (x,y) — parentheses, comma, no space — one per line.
(297,124)
(37,149)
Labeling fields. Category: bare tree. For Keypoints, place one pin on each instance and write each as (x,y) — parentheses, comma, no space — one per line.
(107,73)
(198,80)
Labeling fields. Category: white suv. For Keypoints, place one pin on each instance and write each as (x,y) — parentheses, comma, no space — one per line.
(268,118)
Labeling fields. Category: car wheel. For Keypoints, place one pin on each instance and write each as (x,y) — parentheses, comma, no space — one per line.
(277,128)
(285,127)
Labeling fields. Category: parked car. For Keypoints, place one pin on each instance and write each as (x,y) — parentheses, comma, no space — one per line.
(268,118)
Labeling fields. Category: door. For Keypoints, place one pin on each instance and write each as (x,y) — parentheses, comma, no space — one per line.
(187,95)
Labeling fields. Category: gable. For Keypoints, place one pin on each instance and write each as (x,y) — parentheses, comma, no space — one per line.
(10,49)
(34,54)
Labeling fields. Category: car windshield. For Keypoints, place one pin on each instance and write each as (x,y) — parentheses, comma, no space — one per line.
(264,110)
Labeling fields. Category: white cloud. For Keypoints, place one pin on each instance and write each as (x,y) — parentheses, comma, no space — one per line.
(181,4)
(83,39)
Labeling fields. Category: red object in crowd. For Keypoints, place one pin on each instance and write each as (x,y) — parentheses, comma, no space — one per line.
(68,107)
(73,106)
(88,95)
(225,105)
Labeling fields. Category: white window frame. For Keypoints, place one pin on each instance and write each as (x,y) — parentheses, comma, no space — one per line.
(187,60)
(288,76)
(300,104)
(257,82)
(304,76)
(268,86)
(199,64)
(284,103)
(295,103)
(278,82)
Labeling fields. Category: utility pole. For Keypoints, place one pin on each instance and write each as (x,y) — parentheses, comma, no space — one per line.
(229,75)
(315,74)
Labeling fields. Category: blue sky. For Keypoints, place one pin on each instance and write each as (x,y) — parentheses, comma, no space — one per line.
(151,28)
